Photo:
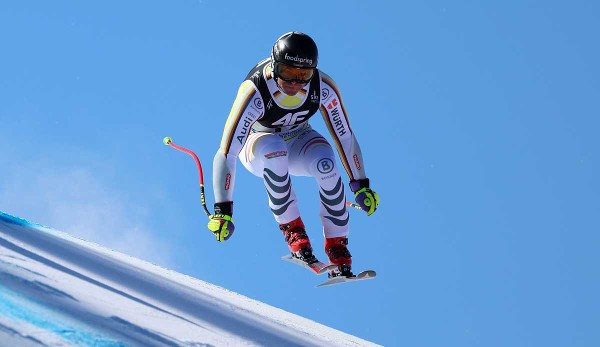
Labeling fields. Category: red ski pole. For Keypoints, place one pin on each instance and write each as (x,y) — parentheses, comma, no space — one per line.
(169,142)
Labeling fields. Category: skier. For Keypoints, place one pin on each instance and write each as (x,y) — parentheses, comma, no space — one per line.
(268,129)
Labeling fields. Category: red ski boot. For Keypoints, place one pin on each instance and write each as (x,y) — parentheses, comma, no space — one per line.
(297,239)
(339,255)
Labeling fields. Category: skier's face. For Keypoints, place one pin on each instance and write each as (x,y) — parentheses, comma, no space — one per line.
(291,79)
(290,88)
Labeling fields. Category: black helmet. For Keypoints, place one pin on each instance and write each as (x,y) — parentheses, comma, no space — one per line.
(295,49)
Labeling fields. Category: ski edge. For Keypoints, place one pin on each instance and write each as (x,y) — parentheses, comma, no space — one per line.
(363,275)
(317,267)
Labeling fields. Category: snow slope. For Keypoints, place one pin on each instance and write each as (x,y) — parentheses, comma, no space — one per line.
(58,290)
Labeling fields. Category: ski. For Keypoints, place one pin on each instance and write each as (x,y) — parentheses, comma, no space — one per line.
(317,267)
(364,275)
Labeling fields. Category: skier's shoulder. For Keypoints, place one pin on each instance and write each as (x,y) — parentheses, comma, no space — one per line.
(326,79)
(254,80)
(256,74)
(329,88)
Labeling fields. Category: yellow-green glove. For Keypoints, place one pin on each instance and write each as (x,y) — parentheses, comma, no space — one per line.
(364,196)
(222,226)
(221,223)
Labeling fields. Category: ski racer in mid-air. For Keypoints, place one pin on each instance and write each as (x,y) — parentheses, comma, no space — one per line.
(268,130)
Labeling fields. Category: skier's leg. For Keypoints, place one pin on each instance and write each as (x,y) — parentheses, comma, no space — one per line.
(311,155)
(266,155)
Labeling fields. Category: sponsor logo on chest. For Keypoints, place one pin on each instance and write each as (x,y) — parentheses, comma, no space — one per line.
(291,118)
(314,97)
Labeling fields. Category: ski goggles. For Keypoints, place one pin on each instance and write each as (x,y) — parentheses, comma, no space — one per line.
(293,74)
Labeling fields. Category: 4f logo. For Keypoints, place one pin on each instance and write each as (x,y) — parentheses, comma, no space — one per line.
(291,118)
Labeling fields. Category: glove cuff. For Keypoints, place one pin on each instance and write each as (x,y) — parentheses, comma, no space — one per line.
(357,185)
(225,207)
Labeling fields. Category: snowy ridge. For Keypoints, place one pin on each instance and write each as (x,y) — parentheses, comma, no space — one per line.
(57,290)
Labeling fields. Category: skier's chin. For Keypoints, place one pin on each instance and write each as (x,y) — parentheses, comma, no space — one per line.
(291,89)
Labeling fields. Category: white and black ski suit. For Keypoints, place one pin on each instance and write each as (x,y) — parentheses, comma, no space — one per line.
(269,131)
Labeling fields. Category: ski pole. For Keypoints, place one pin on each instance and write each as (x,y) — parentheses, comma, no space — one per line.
(169,142)
(356,206)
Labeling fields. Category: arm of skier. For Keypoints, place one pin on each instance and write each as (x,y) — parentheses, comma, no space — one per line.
(336,118)
(235,133)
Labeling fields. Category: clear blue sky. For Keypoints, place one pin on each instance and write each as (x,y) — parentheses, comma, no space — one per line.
(478,122)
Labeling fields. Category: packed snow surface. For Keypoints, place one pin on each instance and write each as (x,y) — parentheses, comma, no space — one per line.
(57,290)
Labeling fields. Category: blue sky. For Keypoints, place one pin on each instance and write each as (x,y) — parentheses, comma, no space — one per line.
(478,123)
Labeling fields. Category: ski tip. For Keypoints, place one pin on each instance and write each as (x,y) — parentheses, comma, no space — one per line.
(167,140)
(369,273)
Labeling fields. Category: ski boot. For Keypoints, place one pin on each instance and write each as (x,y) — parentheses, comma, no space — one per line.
(298,242)
(339,255)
